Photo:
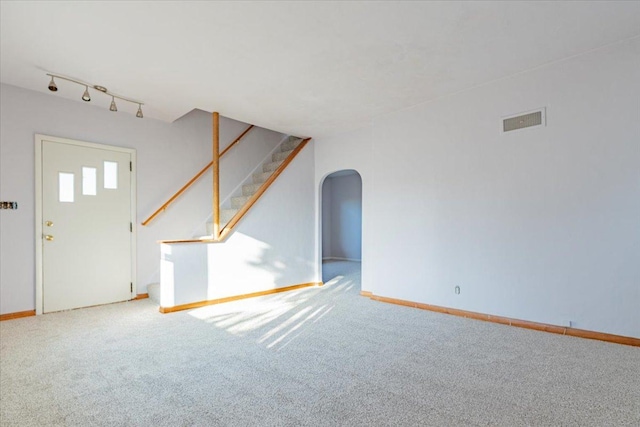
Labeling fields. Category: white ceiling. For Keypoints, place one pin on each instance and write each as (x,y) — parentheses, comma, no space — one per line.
(305,68)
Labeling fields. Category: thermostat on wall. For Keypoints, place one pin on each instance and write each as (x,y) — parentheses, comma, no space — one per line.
(8,205)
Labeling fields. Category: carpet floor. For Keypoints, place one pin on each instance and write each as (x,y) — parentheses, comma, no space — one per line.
(314,357)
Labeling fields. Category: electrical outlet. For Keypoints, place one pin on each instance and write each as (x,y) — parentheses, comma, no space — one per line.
(457,290)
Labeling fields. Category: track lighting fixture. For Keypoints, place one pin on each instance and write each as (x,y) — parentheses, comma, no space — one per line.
(87,97)
(52,85)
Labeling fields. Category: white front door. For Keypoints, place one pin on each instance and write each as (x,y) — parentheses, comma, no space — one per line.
(86,226)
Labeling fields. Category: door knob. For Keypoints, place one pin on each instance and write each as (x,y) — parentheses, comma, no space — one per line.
(48,237)
(49,223)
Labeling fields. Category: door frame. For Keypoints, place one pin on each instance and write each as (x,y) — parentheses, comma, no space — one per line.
(39,139)
(322,217)
(319,242)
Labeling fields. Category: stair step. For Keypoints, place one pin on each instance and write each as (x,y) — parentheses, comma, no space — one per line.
(290,144)
(238,202)
(226,215)
(270,167)
(259,178)
(250,189)
(281,156)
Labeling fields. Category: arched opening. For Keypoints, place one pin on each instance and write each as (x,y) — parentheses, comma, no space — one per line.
(341,220)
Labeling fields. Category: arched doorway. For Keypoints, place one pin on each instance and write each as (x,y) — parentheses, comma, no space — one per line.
(341,220)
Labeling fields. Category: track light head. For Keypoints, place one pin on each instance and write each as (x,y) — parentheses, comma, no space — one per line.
(85,95)
(113,107)
(139,113)
(52,85)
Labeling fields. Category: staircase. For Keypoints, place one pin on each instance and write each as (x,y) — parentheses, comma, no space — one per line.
(233,205)
(180,292)
(257,180)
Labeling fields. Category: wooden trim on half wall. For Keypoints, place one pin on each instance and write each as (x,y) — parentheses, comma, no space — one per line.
(141,296)
(236,297)
(17,315)
(554,329)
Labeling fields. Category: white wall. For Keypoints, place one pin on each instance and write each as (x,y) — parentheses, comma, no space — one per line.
(342,216)
(168,156)
(540,224)
(272,247)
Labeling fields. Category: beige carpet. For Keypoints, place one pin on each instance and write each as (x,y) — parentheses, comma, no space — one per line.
(314,357)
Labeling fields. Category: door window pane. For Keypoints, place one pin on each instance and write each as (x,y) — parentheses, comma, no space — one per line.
(65,185)
(89,178)
(110,175)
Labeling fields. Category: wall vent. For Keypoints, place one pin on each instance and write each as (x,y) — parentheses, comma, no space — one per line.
(524,120)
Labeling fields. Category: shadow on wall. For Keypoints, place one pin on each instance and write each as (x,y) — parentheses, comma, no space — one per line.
(280,269)
(277,320)
(270,261)
(193,273)
(342,216)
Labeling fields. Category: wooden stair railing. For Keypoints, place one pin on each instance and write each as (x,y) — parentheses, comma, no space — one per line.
(195,178)
(233,222)
(228,228)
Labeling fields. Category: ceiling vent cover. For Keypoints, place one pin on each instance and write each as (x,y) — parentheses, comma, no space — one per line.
(524,120)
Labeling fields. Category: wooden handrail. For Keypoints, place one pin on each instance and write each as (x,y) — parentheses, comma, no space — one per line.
(178,193)
(194,179)
(235,141)
(228,228)
(224,233)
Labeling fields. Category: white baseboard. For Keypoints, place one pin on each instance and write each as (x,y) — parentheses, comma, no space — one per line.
(333,258)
